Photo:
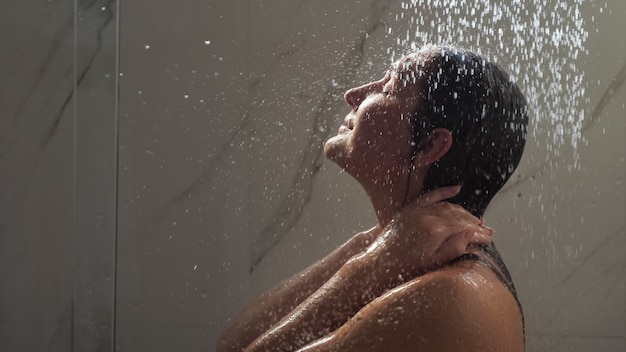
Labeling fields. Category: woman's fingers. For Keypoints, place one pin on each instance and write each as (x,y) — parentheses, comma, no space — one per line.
(437,195)
(454,246)
(482,224)
(482,238)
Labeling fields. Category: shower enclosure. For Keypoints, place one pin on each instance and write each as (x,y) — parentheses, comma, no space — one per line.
(161,163)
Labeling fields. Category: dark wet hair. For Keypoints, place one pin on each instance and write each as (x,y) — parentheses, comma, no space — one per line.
(487,115)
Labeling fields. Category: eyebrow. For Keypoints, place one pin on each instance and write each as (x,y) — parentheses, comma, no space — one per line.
(394,67)
(405,74)
(403,63)
(394,83)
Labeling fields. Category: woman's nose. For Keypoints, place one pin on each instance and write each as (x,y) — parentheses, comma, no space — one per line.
(353,97)
(356,95)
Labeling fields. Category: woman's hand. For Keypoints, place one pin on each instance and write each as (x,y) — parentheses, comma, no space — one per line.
(425,234)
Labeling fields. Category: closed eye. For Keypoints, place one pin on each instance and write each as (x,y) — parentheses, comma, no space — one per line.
(387,93)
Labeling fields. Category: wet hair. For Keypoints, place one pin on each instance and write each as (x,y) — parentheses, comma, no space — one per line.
(487,115)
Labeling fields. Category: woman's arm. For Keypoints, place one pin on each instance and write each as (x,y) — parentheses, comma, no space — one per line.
(464,307)
(266,310)
(421,238)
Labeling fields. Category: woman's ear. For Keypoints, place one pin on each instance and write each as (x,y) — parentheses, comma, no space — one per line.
(434,147)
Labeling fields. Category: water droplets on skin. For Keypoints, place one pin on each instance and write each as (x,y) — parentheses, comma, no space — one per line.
(538,41)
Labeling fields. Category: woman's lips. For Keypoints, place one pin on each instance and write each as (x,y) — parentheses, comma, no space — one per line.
(348,122)
(344,129)
(348,125)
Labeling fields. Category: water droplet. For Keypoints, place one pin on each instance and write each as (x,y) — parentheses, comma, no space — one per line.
(147,46)
(207,42)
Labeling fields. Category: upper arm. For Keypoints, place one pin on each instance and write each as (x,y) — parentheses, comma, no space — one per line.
(269,308)
(437,312)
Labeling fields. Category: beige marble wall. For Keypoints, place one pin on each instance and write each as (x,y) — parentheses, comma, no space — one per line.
(36,175)
(182,239)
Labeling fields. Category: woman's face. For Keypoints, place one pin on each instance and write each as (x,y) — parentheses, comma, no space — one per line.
(376,135)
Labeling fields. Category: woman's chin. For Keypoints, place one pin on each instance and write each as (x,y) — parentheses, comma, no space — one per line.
(335,149)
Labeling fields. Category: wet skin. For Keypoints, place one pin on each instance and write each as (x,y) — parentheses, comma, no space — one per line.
(389,288)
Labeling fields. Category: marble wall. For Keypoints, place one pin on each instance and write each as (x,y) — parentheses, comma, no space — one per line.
(36,175)
(222,187)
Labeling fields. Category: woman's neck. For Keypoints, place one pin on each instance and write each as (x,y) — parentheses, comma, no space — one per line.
(388,200)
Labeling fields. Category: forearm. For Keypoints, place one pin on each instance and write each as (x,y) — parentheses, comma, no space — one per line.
(270,307)
(358,282)
(323,311)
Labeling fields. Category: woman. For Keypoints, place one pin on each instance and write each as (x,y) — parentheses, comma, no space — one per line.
(427,277)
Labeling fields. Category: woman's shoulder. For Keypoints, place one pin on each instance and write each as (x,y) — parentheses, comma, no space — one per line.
(460,307)
(465,301)
(469,286)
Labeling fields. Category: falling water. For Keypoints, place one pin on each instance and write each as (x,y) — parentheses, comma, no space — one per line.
(537,42)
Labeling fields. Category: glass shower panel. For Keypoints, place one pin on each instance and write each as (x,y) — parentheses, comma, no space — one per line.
(96,175)
(183,98)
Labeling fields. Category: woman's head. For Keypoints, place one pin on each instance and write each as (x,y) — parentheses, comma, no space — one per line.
(487,116)
(396,121)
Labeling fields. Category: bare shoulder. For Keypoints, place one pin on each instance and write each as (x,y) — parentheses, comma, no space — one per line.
(459,308)
(463,307)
